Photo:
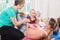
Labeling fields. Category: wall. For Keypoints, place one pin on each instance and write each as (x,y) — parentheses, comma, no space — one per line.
(48,8)
(10,3)
(54,8)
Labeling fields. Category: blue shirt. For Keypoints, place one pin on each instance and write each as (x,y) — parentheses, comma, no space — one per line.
(6,15)
(56,35)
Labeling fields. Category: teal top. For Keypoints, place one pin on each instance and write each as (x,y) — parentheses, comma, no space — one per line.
(6,15)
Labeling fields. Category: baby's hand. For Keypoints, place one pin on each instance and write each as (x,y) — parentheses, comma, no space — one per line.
(26,20)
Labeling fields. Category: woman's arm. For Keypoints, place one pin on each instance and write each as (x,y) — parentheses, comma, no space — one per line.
(16,23)
(35,33)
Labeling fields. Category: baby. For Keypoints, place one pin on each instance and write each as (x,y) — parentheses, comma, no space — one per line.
(32,24)
(32,18)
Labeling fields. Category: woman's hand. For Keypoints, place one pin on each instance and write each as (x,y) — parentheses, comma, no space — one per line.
(26,20)
(17,23)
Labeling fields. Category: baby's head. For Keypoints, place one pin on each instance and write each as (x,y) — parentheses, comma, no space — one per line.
(33,12)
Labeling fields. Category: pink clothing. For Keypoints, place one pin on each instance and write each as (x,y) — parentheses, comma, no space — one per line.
(25,38)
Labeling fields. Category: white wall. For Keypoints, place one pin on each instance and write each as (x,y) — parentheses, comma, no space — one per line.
(54,8)
(44,9)
(48,8)
(10,3)
(40,5)
(32,4)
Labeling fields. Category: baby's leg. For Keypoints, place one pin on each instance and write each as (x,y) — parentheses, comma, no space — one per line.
(32,25)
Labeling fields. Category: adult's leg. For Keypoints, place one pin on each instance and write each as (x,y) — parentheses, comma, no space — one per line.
(10,33)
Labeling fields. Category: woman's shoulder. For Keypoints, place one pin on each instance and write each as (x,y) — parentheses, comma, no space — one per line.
(6,9)
(9,8)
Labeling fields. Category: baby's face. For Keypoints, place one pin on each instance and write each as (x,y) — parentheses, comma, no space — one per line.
(33,13)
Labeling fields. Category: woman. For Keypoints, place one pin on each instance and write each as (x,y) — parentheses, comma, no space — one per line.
(56,33)
(7,18)
(38,33)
